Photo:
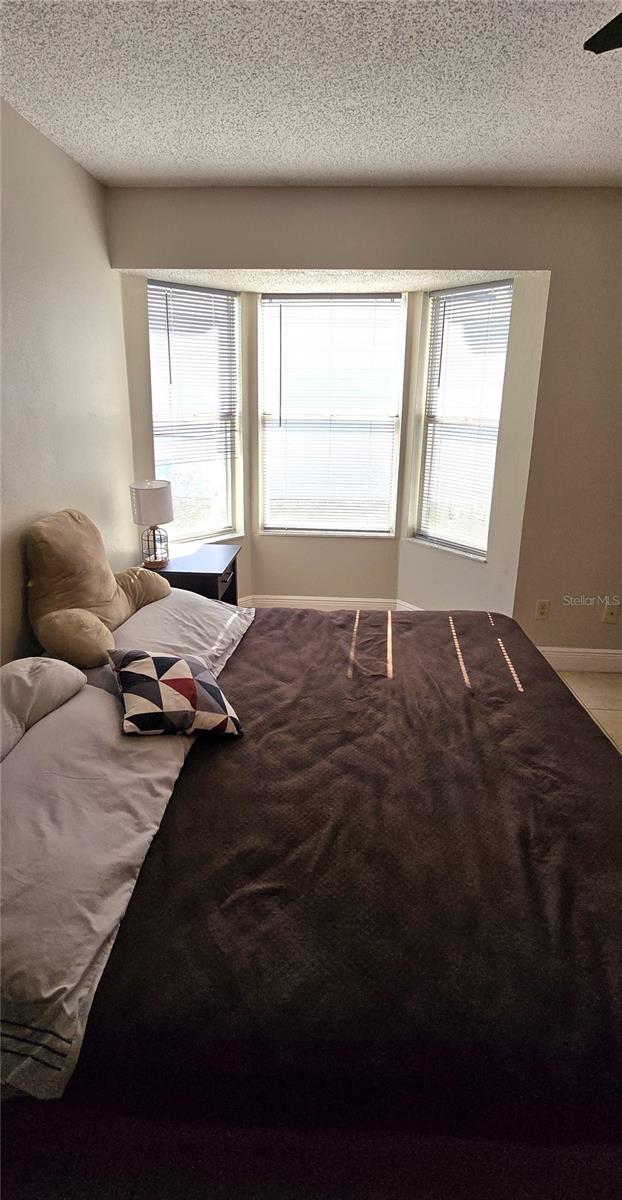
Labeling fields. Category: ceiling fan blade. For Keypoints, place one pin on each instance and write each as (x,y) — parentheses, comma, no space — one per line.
(607,38)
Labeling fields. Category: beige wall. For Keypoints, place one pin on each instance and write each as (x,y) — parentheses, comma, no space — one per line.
(570,539)
(136,337)
(66,438)
(355,568)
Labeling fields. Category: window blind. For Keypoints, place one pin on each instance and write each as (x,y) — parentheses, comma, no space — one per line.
(331,382)
(193,344)
(468,340)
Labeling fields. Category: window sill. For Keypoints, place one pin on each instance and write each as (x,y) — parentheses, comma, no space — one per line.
(228,535)
(324,533)
(478,558)
(189,545)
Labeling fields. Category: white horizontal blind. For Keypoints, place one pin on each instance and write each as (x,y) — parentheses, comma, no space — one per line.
(193,344)
(467,350)
(330,400)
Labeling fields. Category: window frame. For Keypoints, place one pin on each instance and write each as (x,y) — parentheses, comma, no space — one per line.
(280,531)
(233,462)
(423,422)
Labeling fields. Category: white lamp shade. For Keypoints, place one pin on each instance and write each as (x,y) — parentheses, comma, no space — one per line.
(152,502)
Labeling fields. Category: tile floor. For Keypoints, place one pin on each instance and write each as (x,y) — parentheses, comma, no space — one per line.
(600,692)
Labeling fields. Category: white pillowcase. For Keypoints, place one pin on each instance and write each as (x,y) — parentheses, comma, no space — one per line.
(184,623)
(30,688)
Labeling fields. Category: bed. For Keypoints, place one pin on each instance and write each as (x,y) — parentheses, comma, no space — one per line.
(400,891)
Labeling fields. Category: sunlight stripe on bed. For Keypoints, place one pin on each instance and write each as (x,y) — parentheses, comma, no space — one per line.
(389,646)
(454,635)
(510,666)
(353,644)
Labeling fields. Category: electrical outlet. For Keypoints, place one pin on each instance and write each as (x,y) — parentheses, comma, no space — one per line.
(543,608)
(611,614)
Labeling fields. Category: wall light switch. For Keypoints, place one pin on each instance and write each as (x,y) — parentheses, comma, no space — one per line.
(543,608)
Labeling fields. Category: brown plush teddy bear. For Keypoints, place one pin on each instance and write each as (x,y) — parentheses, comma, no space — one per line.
(74,600)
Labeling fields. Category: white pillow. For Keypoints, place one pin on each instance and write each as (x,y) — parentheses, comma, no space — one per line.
(184,623)
(30,688)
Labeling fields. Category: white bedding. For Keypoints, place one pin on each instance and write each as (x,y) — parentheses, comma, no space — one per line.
(81,803)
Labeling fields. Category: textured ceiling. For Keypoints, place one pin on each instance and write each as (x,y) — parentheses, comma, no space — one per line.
(320,91)
(327,281)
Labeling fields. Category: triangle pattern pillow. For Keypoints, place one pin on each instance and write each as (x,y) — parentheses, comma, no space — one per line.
(163,693)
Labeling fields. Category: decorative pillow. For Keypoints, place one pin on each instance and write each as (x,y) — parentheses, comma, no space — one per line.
(164,693)
(74,600)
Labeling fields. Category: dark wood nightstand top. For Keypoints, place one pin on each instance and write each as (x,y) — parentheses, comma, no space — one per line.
(212,559)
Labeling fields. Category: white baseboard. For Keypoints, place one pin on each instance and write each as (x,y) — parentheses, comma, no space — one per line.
(579,658)
(322,603)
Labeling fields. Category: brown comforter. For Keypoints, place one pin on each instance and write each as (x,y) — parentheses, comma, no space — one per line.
(407,873)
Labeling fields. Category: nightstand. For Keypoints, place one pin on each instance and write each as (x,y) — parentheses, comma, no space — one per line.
(210,571)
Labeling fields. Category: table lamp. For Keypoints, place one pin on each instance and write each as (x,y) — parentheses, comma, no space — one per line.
(152,505)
